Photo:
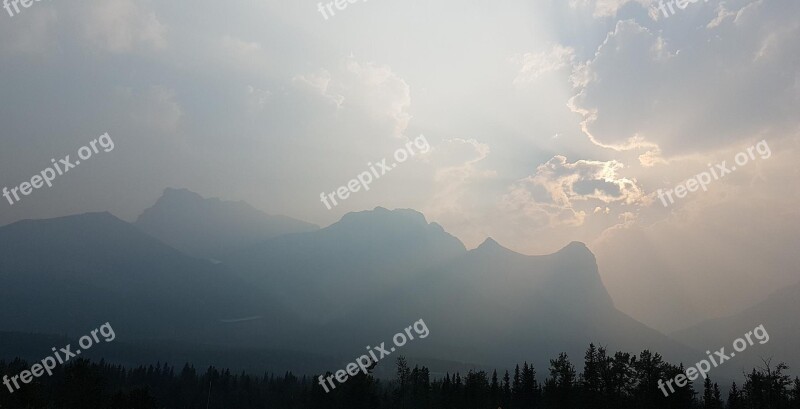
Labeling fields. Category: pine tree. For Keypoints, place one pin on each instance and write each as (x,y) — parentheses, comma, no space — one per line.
(506,400)
(516,390)
(494,390)
(559,387)
(530,388)
(734,398)
(708,394)
(403,380)
(717,397)
(591,378)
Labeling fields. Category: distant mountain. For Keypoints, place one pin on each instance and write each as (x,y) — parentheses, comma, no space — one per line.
(212,228)
(325,273)
(778,313)
(328,292)
(70,274)
(495,306)
(375,272)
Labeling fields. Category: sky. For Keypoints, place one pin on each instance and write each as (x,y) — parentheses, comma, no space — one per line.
(548,122)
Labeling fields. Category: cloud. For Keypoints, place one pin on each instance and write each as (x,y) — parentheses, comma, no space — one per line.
(385,94)
(722,14)
(668,93)
(458,200)
(552,194)
(263,94)
(586,180)
(370,91)
(605,8)
(454,179)
(532,66)
(320,82)
(458,171)
(741,232)
(123,25)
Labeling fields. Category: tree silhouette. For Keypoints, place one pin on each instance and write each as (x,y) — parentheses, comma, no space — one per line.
(622,381)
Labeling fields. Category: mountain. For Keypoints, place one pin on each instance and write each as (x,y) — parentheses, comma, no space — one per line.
(778,314)
(375,272)
(494,306)
(70,274)
(336,268)
(328,292)
(212,228)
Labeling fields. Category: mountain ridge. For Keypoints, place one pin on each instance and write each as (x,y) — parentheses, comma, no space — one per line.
(210,228)
(359,280)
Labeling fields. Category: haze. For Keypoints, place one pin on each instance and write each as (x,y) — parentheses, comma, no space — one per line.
(549,122)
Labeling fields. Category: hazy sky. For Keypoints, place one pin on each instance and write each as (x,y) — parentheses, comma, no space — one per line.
(549,121)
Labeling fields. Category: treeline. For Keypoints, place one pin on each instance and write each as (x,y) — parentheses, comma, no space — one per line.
(620,381)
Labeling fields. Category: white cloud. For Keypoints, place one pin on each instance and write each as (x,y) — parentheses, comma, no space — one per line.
(385,92)
(667,95)
(366,89)
(458,201)
(722,14)
(532,66)
(742,232)
(459,170)
(558,186)
(320,82)
(600,181)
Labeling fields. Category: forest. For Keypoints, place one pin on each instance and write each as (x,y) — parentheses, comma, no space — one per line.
(618,381)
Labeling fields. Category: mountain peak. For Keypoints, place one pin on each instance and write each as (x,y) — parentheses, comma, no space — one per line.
(576,249)
(211,227)
(576,245)
(185,197)
(174,191)
(381,224)
(384,215)
(491,247)
(489,243)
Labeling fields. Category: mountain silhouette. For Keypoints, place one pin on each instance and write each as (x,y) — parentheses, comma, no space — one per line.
(69,274)
(211,228)
(492,305)
(374,272)
(778,313)
(326,292)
